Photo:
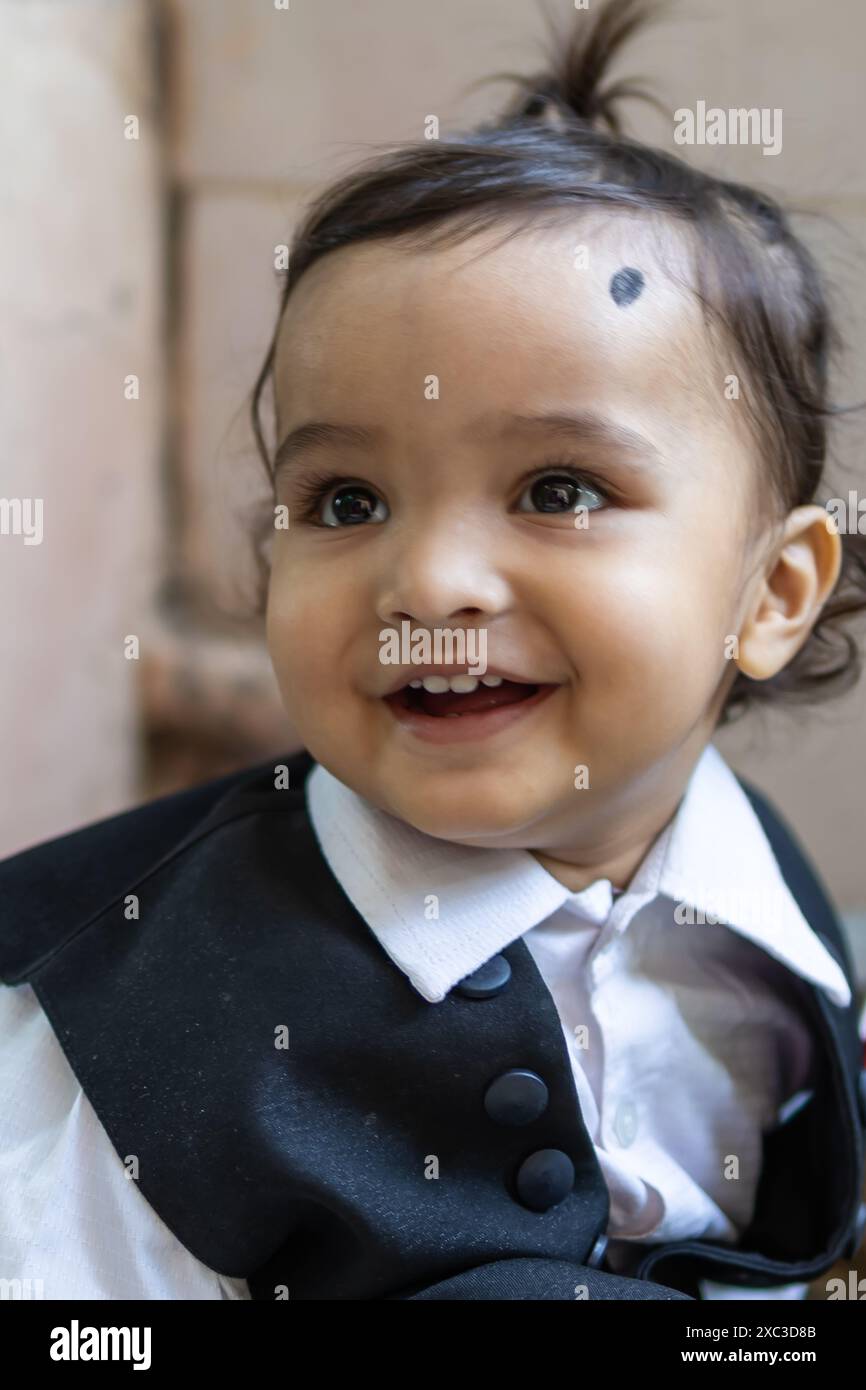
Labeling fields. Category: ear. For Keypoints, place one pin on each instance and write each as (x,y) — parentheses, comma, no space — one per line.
(801,573)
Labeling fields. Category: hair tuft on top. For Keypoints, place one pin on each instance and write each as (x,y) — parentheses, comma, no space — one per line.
(578,63)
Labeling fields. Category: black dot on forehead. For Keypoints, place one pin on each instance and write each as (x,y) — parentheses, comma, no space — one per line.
(626,285)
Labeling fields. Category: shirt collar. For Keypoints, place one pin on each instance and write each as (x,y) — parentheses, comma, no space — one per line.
(440,910)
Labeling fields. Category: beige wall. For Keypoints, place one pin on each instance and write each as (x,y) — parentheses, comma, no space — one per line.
(81,268)
(251,109)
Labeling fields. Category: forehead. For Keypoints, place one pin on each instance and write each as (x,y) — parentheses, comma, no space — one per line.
(598,310)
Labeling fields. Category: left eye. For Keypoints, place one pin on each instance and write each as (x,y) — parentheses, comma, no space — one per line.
(559,492)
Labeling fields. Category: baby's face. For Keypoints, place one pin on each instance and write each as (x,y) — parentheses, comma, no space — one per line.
(625,613)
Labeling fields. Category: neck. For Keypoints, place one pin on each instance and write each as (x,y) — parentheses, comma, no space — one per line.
(624,833)
(620,869)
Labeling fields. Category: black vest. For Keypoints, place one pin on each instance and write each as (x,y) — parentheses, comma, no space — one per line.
(308,1170)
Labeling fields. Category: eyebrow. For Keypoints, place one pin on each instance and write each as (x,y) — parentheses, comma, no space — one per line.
(585,427)
(579,426)
(319,434)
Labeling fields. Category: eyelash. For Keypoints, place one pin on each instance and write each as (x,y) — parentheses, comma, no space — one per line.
(314,489)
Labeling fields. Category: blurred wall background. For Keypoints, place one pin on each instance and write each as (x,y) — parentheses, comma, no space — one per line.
(155,154)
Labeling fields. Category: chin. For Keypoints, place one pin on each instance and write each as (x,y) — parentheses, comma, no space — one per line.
(464,819)
(478,832)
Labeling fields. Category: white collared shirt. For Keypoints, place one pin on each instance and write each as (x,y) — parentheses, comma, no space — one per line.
(667,1087)
(686,1039)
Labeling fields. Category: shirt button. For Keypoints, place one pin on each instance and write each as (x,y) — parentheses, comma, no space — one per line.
(488,980)
(625,1122)
(544,1179)
(859,1231)
(603,965)
(597,1253)
(516,1098)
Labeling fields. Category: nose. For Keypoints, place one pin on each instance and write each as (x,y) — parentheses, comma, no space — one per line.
(439,575)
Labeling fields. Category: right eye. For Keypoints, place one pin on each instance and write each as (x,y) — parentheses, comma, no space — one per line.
(351,504)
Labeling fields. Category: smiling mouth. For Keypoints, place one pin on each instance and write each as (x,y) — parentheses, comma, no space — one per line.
(450,704)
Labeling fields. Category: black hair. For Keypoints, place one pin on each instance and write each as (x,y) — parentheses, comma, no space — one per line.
(558,148)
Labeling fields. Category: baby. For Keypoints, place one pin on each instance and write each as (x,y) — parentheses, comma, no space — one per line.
(505,987)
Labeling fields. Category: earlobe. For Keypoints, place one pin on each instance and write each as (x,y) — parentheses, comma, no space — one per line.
(755,658)
(795,587)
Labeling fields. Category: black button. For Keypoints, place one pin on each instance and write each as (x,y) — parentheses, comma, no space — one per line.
(516,1098)
(861,1087)
(488,980)
(597,1253)
(544,1179)
(859,1232)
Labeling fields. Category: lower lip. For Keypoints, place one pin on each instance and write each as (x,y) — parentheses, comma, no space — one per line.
(466,728)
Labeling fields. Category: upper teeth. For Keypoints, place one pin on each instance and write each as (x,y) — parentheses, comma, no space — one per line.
(461,685)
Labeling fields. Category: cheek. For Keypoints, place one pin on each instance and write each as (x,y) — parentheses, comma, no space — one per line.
(636,620)
(306,628)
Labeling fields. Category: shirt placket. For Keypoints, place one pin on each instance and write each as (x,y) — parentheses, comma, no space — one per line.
(619,1115)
